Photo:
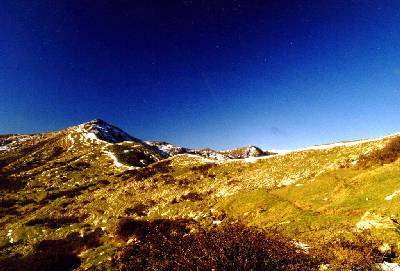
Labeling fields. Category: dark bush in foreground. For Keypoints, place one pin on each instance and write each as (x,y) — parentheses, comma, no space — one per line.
(389,154)
(52,255)
(127,227)
(168,245)
(359,253)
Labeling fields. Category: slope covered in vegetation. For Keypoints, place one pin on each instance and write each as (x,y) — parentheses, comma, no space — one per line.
(75,200)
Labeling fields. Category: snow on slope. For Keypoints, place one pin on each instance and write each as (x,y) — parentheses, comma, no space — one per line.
(12,142)
(117,163)
(167,149)
(386,266)
(334,145)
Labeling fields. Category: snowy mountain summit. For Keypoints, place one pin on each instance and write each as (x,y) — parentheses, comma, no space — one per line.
(101,130)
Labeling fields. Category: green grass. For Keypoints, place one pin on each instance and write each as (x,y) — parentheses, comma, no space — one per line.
(330,203)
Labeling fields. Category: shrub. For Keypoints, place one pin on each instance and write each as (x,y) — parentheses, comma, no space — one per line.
(81,165)
(388,154)
(103,182)
(203,168)
(49,255)
(185,245)
(78,166)
(7,203)
(137,174)
(57,151)
(10,183)
(192,196)
(146,172)
(361,252)
(70,193)
(184,182)
(53,222)
(41,261)
(163,166)
(139,209)
(167,179)
(127,227)
(167,245)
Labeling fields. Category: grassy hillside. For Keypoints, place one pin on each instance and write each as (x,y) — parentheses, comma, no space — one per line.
(65,189)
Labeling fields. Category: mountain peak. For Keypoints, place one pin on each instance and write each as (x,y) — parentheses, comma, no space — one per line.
(97,121)
(101,130)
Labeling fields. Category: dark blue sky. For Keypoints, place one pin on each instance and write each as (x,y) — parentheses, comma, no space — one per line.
(215,74)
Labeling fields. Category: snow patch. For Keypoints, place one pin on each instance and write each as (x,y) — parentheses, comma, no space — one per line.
(5,148)
(251,151)
(391,196)
(88,136)
(9,235)
(217,156)
(13,142)
(334,145)
(165,148)
(281,152)
(91,137)
(303,246)
(196,156)
(168,149)
(371,220)
(287,182)
(226,191)
(385,266)
(216,222)
(116,162)
(250,160)
(255,159)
